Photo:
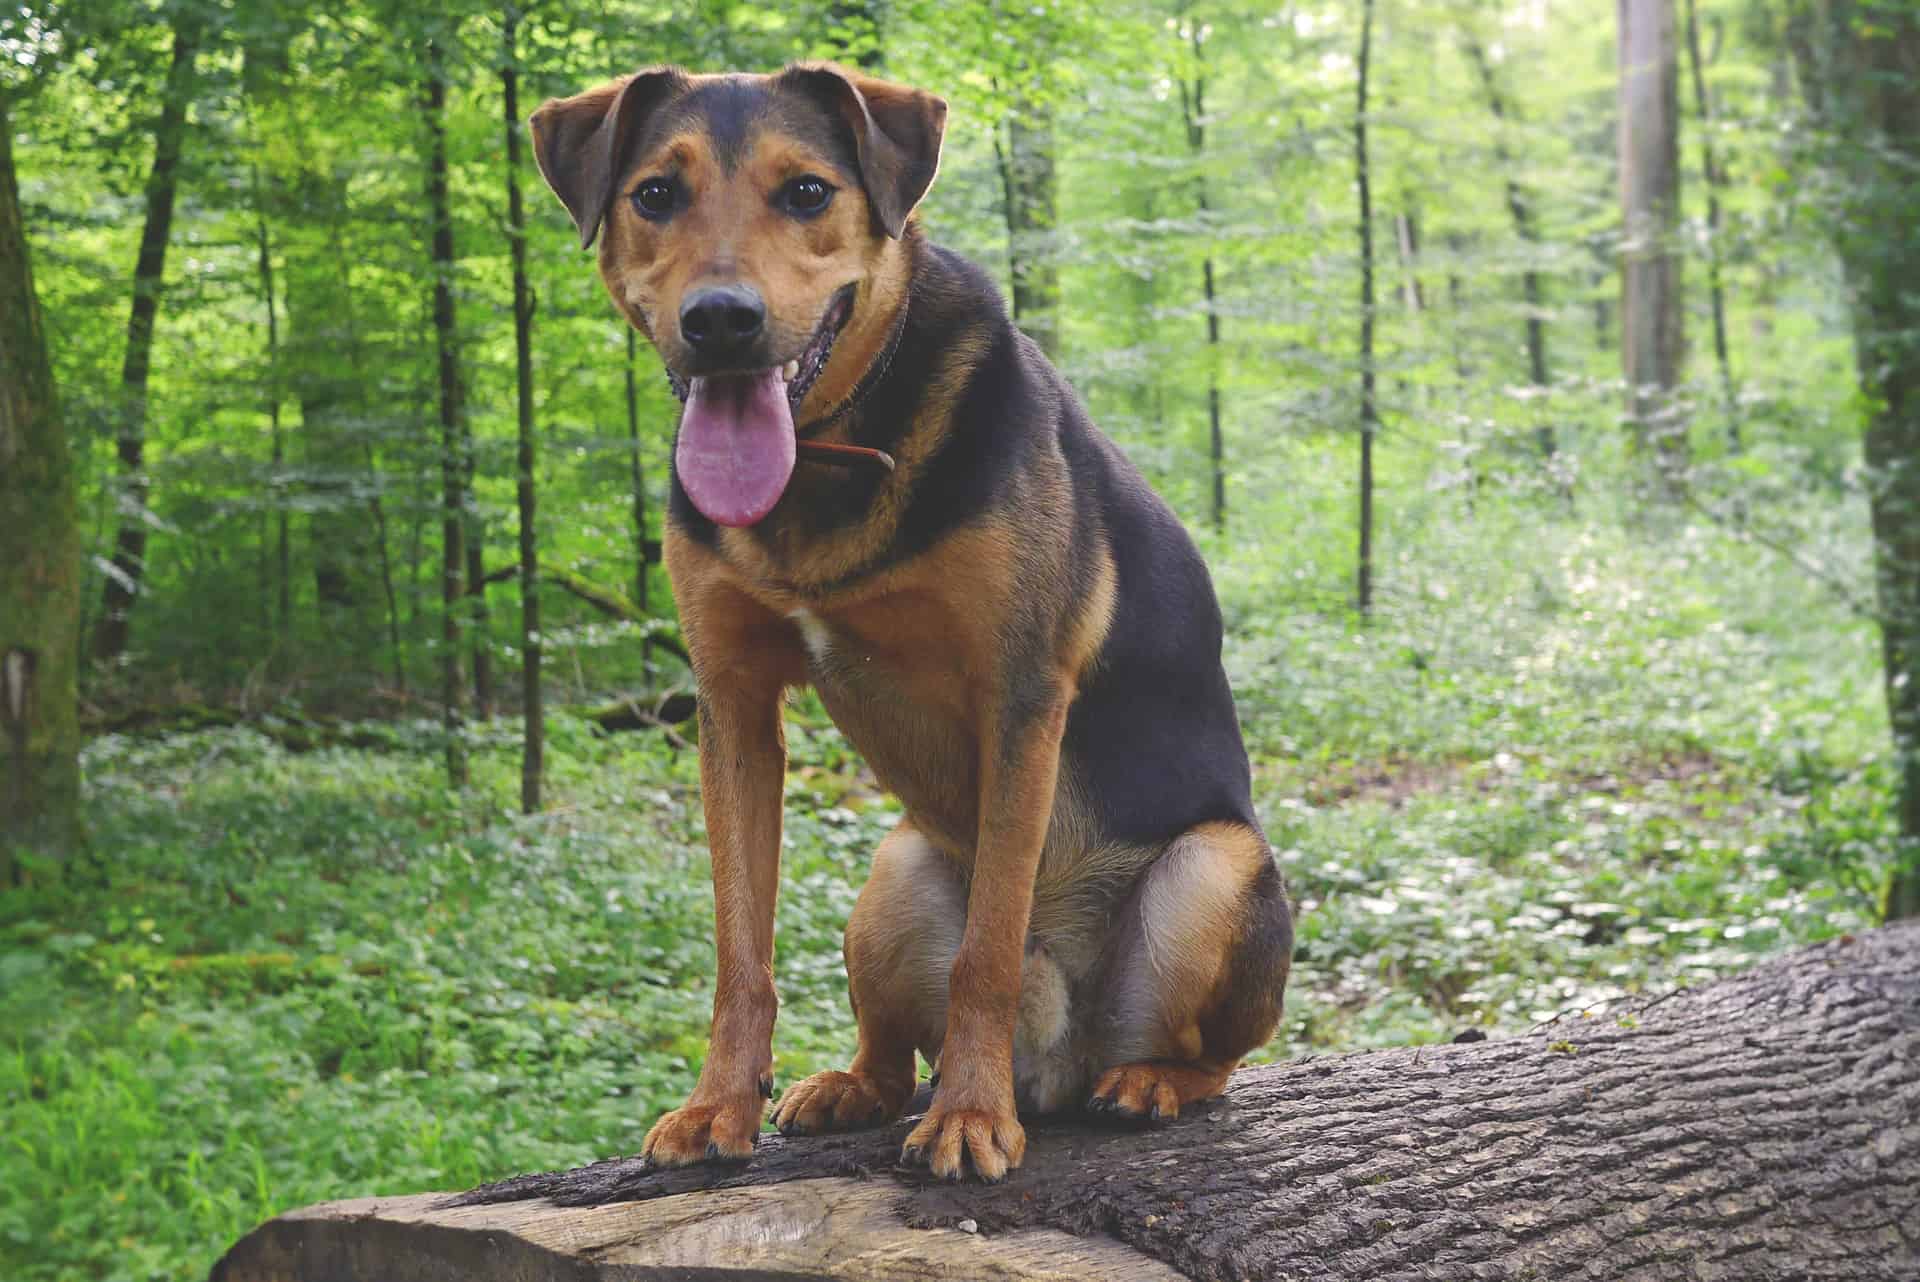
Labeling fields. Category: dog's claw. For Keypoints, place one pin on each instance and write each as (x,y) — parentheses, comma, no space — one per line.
(766,1087)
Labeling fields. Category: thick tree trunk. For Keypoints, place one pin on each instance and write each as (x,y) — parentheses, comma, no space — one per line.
(453,439)
(122,584)
(39,566)
(1651,339)
(1027,183)
(532,712)
(1369,413)
(1767,1126)
(1860,70)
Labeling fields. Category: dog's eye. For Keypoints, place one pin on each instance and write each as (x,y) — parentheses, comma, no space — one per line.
(655,198)
(806,196)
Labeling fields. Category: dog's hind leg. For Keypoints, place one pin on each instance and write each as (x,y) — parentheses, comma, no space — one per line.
(1194,974)
(901,941)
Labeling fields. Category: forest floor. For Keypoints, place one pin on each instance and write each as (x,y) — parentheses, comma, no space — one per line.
(281,978)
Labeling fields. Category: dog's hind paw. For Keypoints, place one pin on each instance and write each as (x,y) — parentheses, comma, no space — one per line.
(839,1102)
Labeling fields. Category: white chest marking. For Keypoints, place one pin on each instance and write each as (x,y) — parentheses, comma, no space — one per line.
(813,630)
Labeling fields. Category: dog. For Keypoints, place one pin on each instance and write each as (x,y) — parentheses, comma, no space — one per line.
(883,490)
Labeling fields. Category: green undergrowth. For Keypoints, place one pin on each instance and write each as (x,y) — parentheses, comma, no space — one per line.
(280,978)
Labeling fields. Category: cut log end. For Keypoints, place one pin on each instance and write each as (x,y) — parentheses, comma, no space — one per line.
(1765,1126)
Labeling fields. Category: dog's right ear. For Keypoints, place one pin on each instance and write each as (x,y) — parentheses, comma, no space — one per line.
(579,142)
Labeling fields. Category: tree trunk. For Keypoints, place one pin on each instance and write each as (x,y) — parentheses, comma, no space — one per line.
(1520,209)
(1710,171)
(1860,71)
(1651,339)
(1193,106)
(39,566)
(453,439)
(149,271)
(283,551)
(533,714)
(1765,1126)
(639,495)
(1027,182)
(1369,415)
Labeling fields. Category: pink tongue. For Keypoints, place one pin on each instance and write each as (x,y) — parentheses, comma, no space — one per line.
(736,446)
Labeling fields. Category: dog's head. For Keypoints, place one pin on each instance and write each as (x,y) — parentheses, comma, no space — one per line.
(746,223)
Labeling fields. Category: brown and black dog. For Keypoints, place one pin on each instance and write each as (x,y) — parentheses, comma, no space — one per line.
(1079,906)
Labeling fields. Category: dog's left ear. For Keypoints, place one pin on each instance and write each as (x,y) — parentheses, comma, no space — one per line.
(579,142)
(896,129)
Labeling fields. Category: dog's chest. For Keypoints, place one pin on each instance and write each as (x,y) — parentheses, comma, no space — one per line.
(897,681)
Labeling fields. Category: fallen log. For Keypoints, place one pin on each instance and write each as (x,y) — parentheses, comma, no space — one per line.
(1767,1126)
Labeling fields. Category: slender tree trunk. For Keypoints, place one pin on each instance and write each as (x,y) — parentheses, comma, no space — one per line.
(39,566)
(1193,104)
(394,642)
(1369,416)
(453,468)
(639,496)
(1406,237)
(1715,180)
(1027,181)
(1651,340)
(283,553)
(1520,209)
(149,271)
(479,617)
(533,746)
(1860,71)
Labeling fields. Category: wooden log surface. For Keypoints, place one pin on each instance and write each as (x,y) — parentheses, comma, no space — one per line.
(1767,1126)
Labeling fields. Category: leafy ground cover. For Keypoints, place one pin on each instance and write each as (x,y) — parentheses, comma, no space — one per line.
(1575,768)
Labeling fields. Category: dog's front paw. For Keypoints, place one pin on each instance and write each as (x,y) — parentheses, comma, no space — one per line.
(839,1102)
(949,1140)
(696,1132)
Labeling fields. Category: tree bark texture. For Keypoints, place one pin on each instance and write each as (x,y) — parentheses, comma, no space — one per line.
(1860,70)
(1651,338)
(1369,412)
(453,438)
(129,563)
(1028,185)
(532,711)
(1764,1127)
(39,565)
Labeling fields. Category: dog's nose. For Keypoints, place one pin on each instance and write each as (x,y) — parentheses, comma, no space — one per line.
(722,320)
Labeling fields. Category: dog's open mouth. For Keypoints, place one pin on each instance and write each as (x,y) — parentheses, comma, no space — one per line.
(736,449)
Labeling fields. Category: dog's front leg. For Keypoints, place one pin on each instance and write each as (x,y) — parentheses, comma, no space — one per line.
(743,661)
(972,1118)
